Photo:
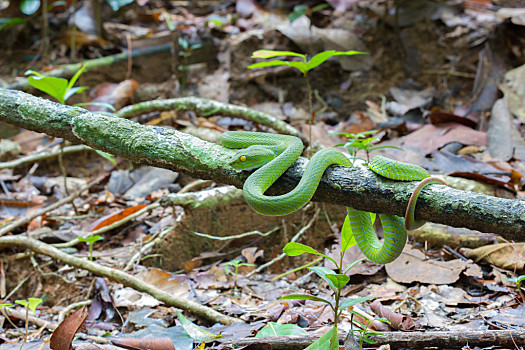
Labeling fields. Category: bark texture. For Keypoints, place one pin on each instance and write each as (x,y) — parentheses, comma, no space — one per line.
(356,187)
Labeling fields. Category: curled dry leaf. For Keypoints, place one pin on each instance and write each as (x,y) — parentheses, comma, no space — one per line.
(398,321)
(62,337)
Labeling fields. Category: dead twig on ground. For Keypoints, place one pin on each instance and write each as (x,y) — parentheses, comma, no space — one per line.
(26,219)
(117,276)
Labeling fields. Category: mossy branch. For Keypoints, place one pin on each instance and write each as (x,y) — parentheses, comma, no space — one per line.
(357,187)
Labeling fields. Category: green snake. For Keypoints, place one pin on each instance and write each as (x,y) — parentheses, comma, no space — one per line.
(273,154)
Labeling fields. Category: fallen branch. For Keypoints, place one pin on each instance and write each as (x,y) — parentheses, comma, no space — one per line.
(44,155)
(117,276)
(355,187)
(206,108)
(413,340)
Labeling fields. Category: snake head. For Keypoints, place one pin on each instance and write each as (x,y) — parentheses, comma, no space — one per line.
(252,157)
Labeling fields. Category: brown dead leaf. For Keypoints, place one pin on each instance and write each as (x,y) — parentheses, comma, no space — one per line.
(432,137)
(176,285)
(440,117)
(117,95)
(114,217)
(508,256)
(500,145)
(397,321)
(162,343)
(84,39)
(62,337)
(513,87)
(413,266)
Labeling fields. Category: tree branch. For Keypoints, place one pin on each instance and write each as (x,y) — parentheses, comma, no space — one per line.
(165,148)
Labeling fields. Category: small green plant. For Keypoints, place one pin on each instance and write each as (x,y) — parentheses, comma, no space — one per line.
(300,10)
(518,280)
(364,333)
(336,279)
(235,264)
(360,141)
(304,65)
(186,50)
(91,240)
(59,88)
(29,304)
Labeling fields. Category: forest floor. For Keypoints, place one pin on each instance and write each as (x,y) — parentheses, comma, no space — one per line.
(442,85)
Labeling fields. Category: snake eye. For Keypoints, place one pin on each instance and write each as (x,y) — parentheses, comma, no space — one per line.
(242,158)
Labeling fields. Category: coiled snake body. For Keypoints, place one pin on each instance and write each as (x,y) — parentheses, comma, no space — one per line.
(273,154)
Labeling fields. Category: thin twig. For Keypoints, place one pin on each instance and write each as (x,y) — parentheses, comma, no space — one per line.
(152,242)
(62,314)
(40,156)
(117,276)
(241,235)
(294,238)
(20,222)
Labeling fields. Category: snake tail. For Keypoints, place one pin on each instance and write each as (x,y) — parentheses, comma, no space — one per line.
(366,238)
(410,222)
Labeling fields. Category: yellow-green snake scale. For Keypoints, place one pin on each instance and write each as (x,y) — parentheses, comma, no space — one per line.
(273,154)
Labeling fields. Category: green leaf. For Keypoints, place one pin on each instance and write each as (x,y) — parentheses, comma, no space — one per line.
(323,56)
(90,239)
(184,43)
(197,333)
(34,73)
(55,87)
(11,22)
(353,264)
(28,7)
(301,66)
(320,7)
(517,280)
(107,156)
(323,272)
(272,53)
(33,303)
(320,58)
(347,237)
(72,91)
(21,302)
(273,329)
(328,341)
(5,305)
(30,303)
(352,302)
(338,280)
(304,297)
(268,64)
(76,76)
(295,249)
